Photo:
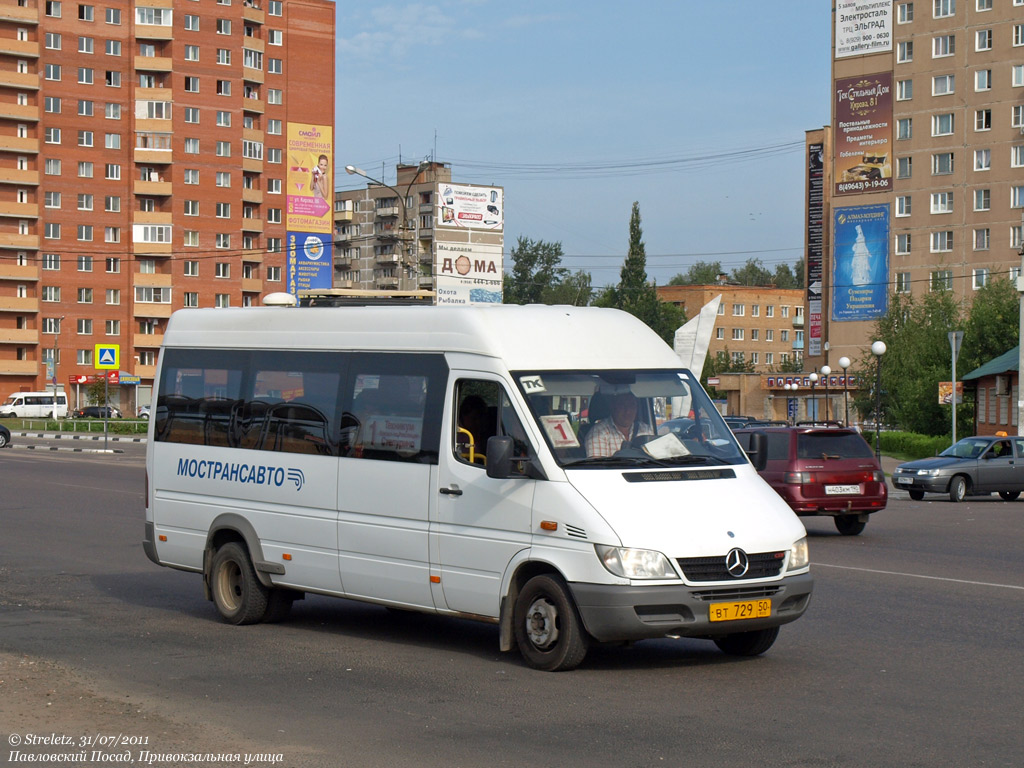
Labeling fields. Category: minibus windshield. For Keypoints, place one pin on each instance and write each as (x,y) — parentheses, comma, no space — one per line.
(619,418)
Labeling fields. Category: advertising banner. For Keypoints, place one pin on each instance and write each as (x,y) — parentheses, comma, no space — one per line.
(860,267)
(863,134)
(468,273)
(862,27)
(310,178)
(309,261)
(815,254)
(465,207)
(946,392)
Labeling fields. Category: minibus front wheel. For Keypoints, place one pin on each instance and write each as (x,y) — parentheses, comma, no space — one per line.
(548,629)
(237,591)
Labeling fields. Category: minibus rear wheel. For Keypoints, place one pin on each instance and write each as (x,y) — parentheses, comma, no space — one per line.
(748,643)
(237,591)
(548,630)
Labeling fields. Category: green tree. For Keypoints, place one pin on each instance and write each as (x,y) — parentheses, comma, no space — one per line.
(538,277)
(700,273)
(917,358)
(992,326)
(723,362)
(752,273)
(634,294)
(789,277)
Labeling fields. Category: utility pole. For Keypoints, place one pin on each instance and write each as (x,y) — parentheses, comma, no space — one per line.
(1020,343)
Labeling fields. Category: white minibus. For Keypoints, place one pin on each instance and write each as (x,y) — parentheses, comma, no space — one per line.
(34,405)
(500,463)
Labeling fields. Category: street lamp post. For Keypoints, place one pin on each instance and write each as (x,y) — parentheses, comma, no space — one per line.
(353,170)
(844,363)
(814,403)
(787,387)
(878,349)
(825,371)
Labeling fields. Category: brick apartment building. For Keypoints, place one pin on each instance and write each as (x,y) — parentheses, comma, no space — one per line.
(143,162)
(762,325)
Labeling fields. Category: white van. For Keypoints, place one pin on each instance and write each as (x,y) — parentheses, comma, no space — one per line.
(461,461)
(33,405)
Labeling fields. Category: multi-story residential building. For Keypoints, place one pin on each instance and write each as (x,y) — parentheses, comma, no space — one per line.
(143,162)
(405,238)
(760,325)
(924,161)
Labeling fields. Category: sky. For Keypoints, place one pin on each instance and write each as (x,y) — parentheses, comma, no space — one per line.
(696,110)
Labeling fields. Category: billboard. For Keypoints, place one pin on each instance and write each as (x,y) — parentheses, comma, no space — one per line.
(467,273)
(863,134)
(814,233)
(468,207)
(310,206)
(863,27)
(310,202)
(310,261)
(860,266)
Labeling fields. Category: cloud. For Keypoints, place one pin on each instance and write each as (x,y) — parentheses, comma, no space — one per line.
(401,33)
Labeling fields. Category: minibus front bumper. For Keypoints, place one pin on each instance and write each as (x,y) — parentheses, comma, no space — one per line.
(616,613)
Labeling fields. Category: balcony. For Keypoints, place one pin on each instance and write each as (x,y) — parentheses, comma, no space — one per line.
(152,217)
(387,212)
(798,344)
(24,81)
(152,249)
(252,224)
(343,215)
(11,271)
(145,371)
(252,75)
(152,188)
(252,195)
(388,259)
(153,31)
(15,304)
(153,156)
(19,14)
(23,146)
(20,368)
(798,321)
(12,242)
(147,341)
(252,104)
(252,257)
(252,13)
(147,309)
(154,63)
(151,280)
(24,48)
(386,282)
(19,336)
(24,112)
(19,210)
(252,285)
(251,165)
(22,178)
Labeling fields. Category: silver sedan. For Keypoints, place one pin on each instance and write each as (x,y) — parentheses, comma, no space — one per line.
(975,465)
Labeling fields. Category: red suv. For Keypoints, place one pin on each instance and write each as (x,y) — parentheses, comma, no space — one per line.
(823,471)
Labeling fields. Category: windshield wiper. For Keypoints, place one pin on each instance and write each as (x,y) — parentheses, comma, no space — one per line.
(633,461)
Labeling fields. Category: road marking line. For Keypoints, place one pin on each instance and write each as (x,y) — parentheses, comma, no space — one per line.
(916,576)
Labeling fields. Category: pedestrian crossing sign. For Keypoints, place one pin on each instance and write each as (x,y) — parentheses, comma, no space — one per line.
(107,357)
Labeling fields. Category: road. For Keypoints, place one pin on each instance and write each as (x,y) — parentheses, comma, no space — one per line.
(908,656)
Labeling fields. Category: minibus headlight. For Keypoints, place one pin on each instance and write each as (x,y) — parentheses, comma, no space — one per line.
(799,555)
(635,563)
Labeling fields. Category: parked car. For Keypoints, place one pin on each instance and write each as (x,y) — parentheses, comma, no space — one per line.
(143,412)
(5,436)
(98,412)
(823,471)
(974,465)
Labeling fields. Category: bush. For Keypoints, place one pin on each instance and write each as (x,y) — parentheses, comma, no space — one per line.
(910,444)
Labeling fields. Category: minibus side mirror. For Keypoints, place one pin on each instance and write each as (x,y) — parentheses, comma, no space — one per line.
(501,460)
(758,450)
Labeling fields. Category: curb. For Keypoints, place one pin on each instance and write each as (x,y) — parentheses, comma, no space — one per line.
(61,436)
(62,448)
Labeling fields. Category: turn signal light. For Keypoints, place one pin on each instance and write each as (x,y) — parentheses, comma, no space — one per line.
(548,525)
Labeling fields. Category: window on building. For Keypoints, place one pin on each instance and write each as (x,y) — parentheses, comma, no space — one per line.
(903,242)
(903,206)
(943,45)
(1017,196)
(983,40)
(191,22)
(942,163)
(902,282)
(942,241)
(191,269)
(85,201)
(942,280)
(943,85)
(904,90)
(982,239)
(904,167)
(113,265)
(942,202)
(943,8)
(904,13)
(980,277)
(905,51)
(983,80)
(223,210)
(112,111)
(982,159)
(942,125)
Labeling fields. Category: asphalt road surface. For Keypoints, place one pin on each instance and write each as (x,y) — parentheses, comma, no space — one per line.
(910,655)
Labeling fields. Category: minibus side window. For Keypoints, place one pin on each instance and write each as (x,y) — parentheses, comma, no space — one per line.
(199,392)
(291,410)
(483,410)
(392,407)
